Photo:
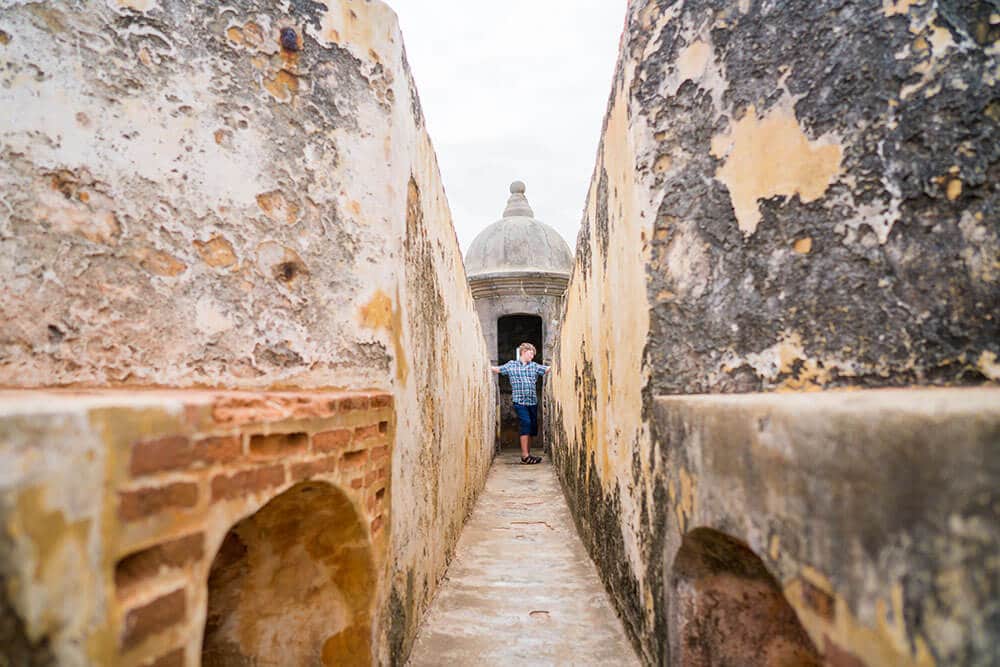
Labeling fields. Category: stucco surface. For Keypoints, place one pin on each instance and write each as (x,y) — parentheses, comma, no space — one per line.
(188,202)
(243,196)
(825,192)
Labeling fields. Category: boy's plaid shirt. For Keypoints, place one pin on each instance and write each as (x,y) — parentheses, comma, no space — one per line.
(522,380)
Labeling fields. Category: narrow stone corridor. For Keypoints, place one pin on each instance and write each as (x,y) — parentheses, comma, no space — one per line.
(521,589)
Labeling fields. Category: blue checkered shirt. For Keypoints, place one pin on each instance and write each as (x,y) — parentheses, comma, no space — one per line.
(522,380)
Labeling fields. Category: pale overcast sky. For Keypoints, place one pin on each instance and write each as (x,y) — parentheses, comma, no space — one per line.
(513,90)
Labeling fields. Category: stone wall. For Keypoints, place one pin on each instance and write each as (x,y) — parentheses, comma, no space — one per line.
(790,197)
(241,196)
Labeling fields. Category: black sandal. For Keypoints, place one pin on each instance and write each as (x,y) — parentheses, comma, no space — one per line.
(530,460)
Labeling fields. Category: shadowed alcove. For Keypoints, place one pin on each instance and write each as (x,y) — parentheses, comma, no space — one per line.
(512,330)
(729,611)
(292,584)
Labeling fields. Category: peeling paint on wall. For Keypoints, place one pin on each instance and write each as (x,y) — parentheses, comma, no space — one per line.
(768,156)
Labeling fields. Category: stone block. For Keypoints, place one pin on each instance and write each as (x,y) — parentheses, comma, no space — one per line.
(351,403)
(145,564)
(309,469)
(242,409)
(277,444)
(160,455)
(220,449)
(153,617)
(247,482)
(355,459)
(367,432)
(380,400)
(141,503)
(328,441)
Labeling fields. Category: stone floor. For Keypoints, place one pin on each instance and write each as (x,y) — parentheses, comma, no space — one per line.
(521,589)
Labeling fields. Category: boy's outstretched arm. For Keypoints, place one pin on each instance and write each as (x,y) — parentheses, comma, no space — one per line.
(495,369)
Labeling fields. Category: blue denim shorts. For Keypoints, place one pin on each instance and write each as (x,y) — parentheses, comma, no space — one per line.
(527,415)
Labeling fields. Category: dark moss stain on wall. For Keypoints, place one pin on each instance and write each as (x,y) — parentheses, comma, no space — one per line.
(16,648)
(928,599)
(601,221)
(597,515)
(429,350)
(403,619)
(917,309)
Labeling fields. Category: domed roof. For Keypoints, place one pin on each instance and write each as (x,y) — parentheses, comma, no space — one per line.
(517,243)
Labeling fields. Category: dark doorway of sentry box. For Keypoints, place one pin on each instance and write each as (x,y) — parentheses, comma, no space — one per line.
(512,330)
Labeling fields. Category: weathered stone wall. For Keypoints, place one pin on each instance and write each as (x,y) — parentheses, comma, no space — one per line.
(826,191)
(244,196)
(203,195)
(791,196)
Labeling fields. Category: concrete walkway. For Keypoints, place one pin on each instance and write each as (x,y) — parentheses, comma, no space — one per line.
(521,589)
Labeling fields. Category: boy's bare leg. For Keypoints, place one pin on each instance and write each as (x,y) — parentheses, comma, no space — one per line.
(525,445)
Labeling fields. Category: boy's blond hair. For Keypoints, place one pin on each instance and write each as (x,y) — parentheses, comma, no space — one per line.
(526,346)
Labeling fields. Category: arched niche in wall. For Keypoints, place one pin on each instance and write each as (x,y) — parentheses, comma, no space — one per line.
(292,584)
(726,608)
(512,330)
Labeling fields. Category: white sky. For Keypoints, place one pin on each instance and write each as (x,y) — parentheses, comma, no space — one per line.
(513,90)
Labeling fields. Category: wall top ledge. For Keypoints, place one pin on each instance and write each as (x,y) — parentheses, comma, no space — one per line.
(926,401)
(59,401)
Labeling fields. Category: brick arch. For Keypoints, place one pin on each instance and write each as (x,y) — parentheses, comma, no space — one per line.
(293,583)
(726,608)
(185,482)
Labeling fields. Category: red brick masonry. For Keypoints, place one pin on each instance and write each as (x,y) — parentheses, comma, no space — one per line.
(238,449)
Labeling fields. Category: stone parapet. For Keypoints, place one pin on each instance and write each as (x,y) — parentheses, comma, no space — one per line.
(874,511)
(114,506)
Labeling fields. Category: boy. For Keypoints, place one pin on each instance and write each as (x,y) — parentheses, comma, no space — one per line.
(522,374)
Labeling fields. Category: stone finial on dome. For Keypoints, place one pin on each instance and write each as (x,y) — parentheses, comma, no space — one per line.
(517,205)
(517,244)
